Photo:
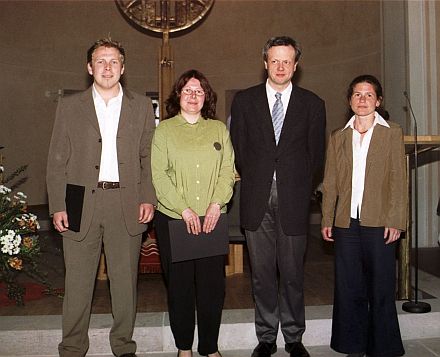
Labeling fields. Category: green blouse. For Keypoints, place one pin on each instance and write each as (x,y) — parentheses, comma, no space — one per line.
(192,165)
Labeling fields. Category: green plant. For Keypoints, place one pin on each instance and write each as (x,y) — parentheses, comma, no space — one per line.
(19,240)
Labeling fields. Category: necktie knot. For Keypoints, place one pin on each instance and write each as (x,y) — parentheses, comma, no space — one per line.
(278,95)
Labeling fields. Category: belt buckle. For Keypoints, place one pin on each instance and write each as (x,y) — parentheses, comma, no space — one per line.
(104,185)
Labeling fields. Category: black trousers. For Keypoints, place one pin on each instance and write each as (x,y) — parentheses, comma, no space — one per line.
(277,263)
(193,284)
(364,312)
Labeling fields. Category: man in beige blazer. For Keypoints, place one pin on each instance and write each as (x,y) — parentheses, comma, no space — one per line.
(101,142)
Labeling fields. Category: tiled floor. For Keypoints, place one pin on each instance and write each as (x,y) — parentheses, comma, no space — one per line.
(413,348)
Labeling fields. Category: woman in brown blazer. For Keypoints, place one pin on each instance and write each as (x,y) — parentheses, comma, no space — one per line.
(364,212)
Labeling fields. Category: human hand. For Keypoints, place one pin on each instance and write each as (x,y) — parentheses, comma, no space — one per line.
(326,233)
(211,217)
(391,235)
(60,221)
(192,221)
(146,212)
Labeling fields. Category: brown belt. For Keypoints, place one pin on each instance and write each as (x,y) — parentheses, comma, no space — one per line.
(106,185)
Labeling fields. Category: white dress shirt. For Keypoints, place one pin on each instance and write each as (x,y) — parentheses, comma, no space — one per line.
(271,99)
(108,119)
(285,96)
(360,152)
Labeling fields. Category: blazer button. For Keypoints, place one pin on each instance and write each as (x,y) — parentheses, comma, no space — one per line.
(100,141)
(93,191)
(97,167)
(276,160)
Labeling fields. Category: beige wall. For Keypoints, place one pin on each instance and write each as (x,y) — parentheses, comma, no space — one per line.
(43,46)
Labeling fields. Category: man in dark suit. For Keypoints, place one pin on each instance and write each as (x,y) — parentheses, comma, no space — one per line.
(278,134)
(101,142)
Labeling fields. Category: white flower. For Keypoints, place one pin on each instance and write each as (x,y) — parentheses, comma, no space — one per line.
(4,190)
(21,195)
(10,242)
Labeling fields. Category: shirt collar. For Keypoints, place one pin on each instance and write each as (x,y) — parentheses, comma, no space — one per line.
(182,121)
(97,96)
(271,92)
(377,120)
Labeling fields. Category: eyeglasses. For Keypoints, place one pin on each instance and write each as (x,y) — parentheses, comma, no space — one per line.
(190,92)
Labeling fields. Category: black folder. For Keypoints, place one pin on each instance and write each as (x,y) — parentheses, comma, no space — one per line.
(187,246)
(74,205)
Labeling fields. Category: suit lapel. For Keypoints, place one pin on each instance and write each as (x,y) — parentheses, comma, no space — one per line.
(88,107)
(265,117)
(377,145)
(347,147)
(126,109)
(291,118)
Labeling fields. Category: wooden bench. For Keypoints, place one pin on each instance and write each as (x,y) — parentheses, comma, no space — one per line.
(236,234)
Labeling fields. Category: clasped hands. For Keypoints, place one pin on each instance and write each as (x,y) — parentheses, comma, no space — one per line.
(192,220)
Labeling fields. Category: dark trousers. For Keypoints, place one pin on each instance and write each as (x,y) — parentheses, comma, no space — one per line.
(277,263)
(198,283)
(364,312)
(81,260)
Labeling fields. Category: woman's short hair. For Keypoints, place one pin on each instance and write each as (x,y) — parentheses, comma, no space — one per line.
(173,101)
(368,78)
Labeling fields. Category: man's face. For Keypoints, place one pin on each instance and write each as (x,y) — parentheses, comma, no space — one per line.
(106,68)
(280,66)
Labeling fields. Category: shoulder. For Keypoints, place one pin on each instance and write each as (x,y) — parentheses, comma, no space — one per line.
(215,123)
(393,125)
(339,135)
(74,99)
(134,96)
(306,94)
(251,92)
(394,129)
(166,124)
(218,127)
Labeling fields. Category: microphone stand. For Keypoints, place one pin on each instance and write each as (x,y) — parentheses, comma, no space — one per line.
(415,306)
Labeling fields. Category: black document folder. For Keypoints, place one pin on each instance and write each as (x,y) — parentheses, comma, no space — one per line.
(74,205)
(186,246)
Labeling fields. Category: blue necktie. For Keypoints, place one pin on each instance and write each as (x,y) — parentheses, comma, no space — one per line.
(277,116)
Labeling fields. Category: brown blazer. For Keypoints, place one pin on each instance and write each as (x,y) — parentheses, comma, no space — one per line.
(75,155)
(384,202)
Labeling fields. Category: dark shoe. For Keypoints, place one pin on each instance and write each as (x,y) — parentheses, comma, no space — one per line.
(128,355)
(264,349)
(296,349)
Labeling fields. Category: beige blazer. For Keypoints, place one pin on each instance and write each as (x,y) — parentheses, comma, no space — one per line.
(75,155)
(384,203)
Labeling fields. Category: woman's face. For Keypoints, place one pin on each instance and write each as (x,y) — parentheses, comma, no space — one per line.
(192,97)
(364,101)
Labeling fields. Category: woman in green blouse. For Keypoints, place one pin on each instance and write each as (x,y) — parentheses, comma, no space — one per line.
(192,164)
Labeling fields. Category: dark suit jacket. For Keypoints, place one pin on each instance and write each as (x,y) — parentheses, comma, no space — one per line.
(299,153)
(384,203)
(75,155)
